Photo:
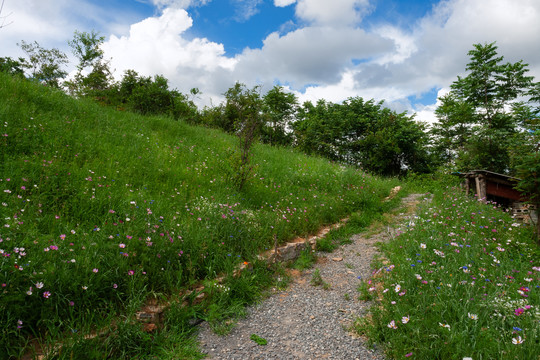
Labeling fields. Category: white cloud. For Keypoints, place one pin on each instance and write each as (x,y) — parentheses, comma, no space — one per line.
(335,12)
(178,4)
(283,3)
(156,46)
(245,9)
(311,55)
(405,45)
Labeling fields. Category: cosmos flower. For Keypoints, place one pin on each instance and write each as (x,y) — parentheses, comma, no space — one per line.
(445,326)
(518,340)
(392,325)
(473,316)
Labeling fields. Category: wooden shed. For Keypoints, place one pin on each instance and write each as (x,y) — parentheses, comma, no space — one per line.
(490,186)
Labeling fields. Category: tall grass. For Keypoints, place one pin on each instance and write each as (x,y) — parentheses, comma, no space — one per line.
(99,209)
(461,281)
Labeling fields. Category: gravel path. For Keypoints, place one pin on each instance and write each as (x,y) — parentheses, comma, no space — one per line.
(305,321)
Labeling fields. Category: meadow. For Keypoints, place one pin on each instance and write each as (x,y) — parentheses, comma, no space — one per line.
(102,210)
(461,280)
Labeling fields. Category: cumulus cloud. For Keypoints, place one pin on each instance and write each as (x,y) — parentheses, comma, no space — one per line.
(335,12)
(156,46)
(309,55)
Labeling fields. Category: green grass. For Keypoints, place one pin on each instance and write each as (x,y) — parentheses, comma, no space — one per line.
(100,210)
(461,281)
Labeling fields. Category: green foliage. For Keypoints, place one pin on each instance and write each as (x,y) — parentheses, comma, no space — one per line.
(279,109)
(306,259)
(366,290)
(525,156)
(479,118)
(243,110)
(45,65)
(363,134)
(316,278)
(87,49)
(13,67)
(259,340)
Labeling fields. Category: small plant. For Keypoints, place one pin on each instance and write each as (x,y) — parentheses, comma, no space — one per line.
(366,291)
(347,296)
(317,280)
(305,260)
(326,244)
(259,340)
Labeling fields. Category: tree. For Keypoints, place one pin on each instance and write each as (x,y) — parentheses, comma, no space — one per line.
(279,108)
(454,128)
(363,133)
(243,109)
(13,67)
(93,75)
(45,65)
(525,154)
(479,107)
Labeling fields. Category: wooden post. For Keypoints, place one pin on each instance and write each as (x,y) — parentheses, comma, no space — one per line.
(481,187)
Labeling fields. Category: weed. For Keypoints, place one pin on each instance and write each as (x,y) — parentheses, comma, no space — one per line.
(306,259)
(259,340)
(317,280)
(366,291)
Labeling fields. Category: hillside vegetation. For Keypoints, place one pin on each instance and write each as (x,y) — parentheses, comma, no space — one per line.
(459,281)
(101,209)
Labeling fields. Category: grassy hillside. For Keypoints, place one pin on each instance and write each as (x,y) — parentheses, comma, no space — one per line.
(100,209)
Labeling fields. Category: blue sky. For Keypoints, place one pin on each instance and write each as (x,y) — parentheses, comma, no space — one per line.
(405,52)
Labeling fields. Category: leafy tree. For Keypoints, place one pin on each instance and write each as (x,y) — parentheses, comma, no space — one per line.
(13,67)
(151,96)
(243,109)
(454,128)
(363,133)
(45,65)
(318,129)
(279,108)
(525,153)
(476,119)
(93,77)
